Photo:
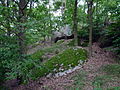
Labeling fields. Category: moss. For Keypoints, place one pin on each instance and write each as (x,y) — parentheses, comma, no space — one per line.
(66,59)
(37,55)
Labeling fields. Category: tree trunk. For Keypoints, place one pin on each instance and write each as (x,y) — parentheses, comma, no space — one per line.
(90,8)
(21,33)
(50,24)
(75,24)
(21,28)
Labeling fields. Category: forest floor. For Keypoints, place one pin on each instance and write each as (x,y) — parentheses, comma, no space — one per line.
(90,76)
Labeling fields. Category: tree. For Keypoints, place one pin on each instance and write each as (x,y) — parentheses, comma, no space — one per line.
(21,33)
(75,23)
(90,23)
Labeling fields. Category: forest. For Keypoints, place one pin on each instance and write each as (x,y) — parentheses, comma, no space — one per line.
(59,44)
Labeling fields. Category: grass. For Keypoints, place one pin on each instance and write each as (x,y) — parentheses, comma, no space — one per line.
(111,76)
(66,59)
(79,80)
(112,69)
(107,81)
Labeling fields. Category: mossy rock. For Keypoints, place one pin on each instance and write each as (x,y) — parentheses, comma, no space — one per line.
(65,60)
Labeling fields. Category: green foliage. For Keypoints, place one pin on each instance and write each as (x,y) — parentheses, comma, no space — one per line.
(67,58)
(115,34)
(57,5)
(8,55)
(83,33)
(41,22)
(109,30)
(23,69)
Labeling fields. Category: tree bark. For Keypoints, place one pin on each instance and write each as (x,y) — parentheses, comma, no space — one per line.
(90,12)
(21,33)
(75,24)
(21,29)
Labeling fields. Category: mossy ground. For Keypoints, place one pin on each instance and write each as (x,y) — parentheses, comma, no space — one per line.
(56,47)
(65,60)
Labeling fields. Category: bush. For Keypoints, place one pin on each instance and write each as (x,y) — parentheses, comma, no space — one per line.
(8,56)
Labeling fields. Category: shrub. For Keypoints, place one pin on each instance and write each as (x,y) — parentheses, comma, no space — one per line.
(8,55)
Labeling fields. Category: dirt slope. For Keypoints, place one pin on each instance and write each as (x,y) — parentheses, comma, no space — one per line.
(92,67)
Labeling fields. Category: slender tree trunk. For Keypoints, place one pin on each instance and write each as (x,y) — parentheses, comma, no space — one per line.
(21,28)
(21,33)
(90,8)
(75,24)
(63,17)
(96,13)
(50,23)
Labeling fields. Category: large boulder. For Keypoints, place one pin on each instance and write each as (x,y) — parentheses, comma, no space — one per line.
(63,33)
